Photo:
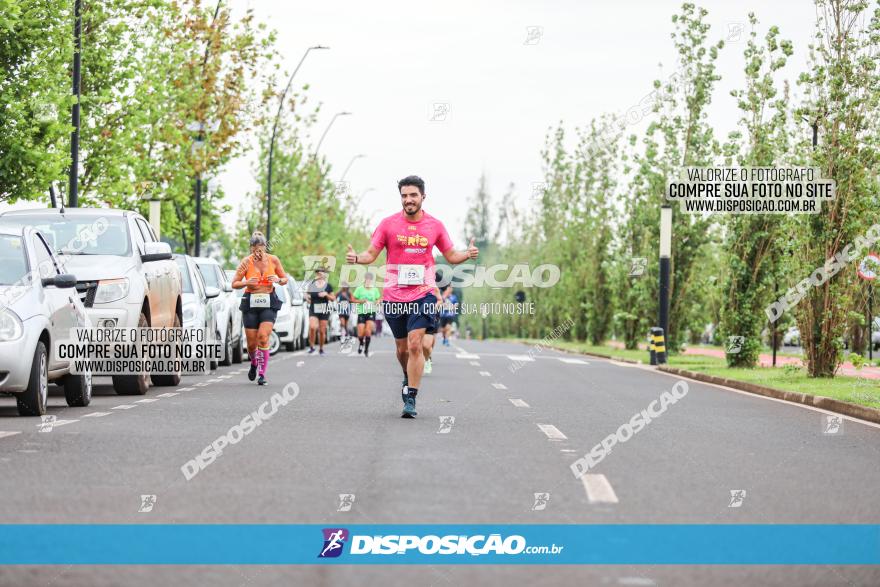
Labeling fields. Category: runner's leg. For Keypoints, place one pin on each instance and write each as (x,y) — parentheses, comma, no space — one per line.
(263,347)
(313,330)
(416,357)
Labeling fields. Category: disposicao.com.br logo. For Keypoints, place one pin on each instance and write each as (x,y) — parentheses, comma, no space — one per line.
(401,544)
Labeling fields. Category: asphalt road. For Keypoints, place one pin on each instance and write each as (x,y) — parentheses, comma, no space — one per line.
(514,434)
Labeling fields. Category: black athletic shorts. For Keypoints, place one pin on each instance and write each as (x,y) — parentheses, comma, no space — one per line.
(362,318)
(405,316)
(446,320)
(320,316)
(253,317)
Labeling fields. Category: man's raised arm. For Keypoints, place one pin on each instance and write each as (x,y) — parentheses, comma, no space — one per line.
(362,258)
(455,257)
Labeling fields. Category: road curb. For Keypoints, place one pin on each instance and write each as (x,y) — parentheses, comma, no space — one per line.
(824,403)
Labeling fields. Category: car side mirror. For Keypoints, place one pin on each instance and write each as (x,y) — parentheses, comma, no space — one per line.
(156,252)
(212,292)
(227,287)
(65,280)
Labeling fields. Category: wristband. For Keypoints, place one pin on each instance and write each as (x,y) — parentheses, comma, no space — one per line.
(355,259)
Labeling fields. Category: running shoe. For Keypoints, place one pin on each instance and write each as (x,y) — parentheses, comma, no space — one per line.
(360,348)
(428,366)
(252,373)
(311,350)
(409,407)
(261,380)
(321,352)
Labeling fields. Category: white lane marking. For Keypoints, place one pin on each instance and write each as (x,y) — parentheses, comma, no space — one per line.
(169,394)
(573,361)
(58,423)
(598,489)
(5,433)
(185,388)
(521,358)
(215,380)
(202,384)
(146,400)
(475,363)
(499,386)
(300,363)
(124,407)
(467,356)
(552,432)
(224,376)
(567,450)
(518,402)
(485,374)
(97,415)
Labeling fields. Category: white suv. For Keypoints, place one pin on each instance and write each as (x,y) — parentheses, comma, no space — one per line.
(125,275)
(226,308)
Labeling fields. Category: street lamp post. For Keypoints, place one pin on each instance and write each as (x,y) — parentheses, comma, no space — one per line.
(201,128)
(272,142)
(350,163)
(665,267)
(326,130)
(73,190)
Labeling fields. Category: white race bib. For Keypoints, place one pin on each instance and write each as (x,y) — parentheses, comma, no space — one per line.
(259,300)
(410,274)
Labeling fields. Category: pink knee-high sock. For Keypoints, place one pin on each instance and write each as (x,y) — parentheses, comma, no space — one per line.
(264,362)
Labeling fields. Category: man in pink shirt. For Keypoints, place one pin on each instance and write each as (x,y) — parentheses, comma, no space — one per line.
(408,300)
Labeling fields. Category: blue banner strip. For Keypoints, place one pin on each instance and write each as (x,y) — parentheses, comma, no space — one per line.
(270,544)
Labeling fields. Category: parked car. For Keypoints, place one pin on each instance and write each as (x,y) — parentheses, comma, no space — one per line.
(198,311)
(39,307)
(226,308)
(792,337)
(283,333)
(125,275)
(299,312)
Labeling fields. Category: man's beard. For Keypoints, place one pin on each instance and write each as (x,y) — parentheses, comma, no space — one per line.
(416,211)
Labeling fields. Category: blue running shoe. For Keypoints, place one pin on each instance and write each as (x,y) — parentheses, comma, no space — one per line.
(409,406)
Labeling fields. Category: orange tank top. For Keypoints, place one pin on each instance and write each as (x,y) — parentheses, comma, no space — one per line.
(252,271)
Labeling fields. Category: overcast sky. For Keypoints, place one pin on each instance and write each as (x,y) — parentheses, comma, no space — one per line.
(390,62)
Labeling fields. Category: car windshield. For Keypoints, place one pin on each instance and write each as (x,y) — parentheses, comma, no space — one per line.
(79,234)
(13,266)
(187,285)
(208,273)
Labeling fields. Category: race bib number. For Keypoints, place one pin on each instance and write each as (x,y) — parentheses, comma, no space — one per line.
(260,300)
(410,274)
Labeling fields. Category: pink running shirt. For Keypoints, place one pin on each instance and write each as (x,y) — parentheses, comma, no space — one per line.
(409,243)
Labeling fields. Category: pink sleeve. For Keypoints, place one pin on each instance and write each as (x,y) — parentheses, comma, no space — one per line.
(444,243)
(378,238)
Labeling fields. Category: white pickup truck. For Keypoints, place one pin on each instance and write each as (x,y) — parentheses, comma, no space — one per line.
(125,275)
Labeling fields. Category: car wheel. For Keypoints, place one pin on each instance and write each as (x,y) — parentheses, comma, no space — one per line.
(170,379)
(274,343)
(289,346)
(32,401)
(133,384)
(78,390)
(227,352)
(238,351)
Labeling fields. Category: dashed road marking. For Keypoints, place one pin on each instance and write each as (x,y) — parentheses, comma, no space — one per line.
(97,415)
(475,363)
(185,388)
(58,423)
(573,361)
(215,380)
(598,489)
(5,433)
(467,356)
(202,384)
(224,377)
(146,400)
(499,386)
(485,374)
(552,432)
(521,358)
(169,394)
(124,407)
(518,402)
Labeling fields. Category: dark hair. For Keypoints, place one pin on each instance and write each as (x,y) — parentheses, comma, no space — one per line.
(257,239)
(413,180)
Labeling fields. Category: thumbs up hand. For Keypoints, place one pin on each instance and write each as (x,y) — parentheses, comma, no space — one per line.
(350,256)
(472,250)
